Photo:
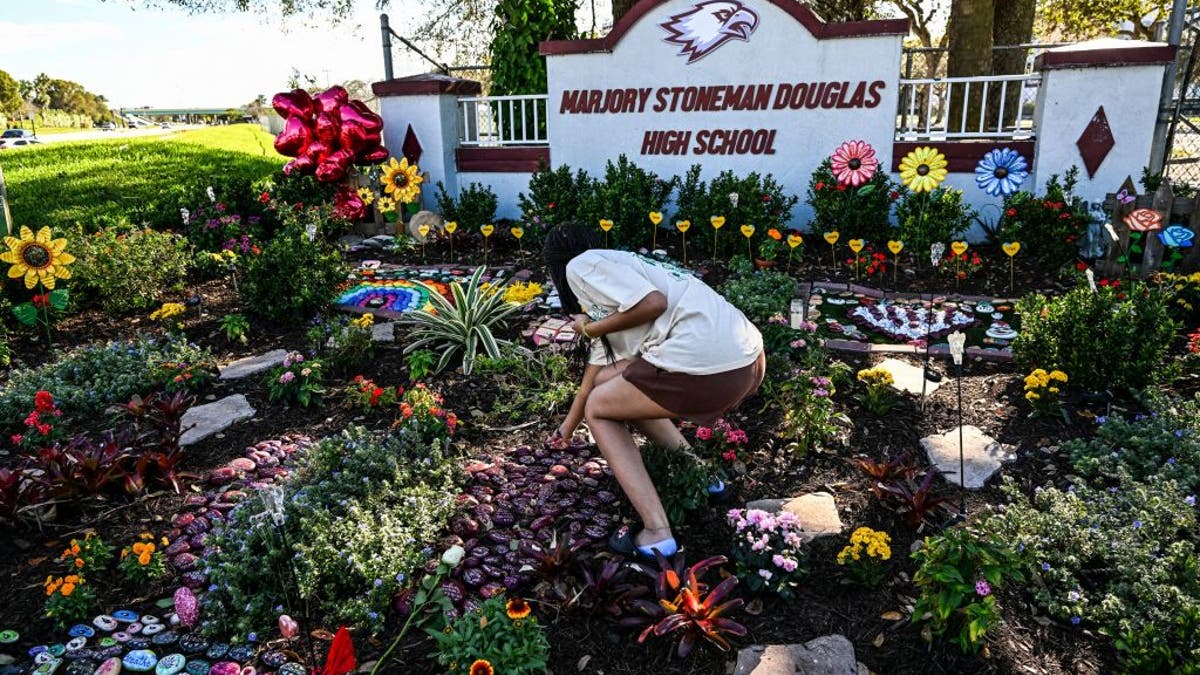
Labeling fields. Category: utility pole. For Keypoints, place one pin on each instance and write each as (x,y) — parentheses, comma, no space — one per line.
(5,216)
(1158,148)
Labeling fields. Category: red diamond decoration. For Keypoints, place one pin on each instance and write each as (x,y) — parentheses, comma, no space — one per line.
(411,147)
(1095,142)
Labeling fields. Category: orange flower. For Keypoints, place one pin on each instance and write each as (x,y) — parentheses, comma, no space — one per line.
(144,558)
(482,667)
(78,563)
(72,579)
(138,548)
(68,589)
(74,547)
(774,234)
(517,608)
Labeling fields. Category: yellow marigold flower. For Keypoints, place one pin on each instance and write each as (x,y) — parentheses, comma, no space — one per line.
(168,310)
(364,321)
(165,542)
(1058,375)
(1032,395)
(1053,390)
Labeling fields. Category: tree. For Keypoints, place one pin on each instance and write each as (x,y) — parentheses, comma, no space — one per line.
(970,54)
(518,28)
(1012,24)
(1083,19)
(621,8)
(10,95)
(837,11)
(337,9)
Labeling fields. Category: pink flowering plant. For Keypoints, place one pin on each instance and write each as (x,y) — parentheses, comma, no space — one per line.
(296,381)
(720,443)
(768,551)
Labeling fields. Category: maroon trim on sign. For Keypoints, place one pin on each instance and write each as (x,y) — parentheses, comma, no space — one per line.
(1101,57)
(962,156)
(798,11)
(502,160)
(425,84)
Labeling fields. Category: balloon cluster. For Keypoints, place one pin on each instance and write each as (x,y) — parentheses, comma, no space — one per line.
(327,133)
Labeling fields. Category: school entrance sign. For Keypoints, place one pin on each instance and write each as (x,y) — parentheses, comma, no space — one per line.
(741,85)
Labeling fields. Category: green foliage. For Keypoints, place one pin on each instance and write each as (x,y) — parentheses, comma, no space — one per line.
(1174,648)
(1103,340)
(682,480)
(760,294)
(296,381)
(344,344)
(1048,226)
(856,213)
(293,278)
(519,26)
(1083,19)
(420,364)
(475,206)
(805,397)
(1164,446)
(10,95)
(142,563)
(761,202)
(510,645)
(556,197)
(531,384)
(360,513)
(957,575)
(462,326)
(925,218)
(143,180)
(235,327)
(1122,558)
(626,196)
(85,382)
(129,269)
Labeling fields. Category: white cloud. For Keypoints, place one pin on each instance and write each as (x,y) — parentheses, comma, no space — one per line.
(26,39)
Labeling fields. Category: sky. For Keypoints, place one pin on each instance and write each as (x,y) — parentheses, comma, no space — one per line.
(137,56)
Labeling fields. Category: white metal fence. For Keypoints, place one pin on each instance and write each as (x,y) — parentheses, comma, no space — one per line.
(998,107)
(497,121)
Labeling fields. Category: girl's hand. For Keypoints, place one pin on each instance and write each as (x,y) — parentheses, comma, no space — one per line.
(581,320)
(557,441)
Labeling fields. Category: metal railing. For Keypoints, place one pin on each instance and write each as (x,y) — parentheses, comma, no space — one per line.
(988,107)
(498,121)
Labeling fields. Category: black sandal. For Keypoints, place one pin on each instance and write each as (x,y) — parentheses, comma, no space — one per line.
(622,542)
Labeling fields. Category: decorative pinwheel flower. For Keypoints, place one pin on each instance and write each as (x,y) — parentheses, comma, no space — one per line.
(1001,172)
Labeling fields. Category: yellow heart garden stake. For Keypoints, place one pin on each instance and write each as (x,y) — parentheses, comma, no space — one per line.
(856,245)
(958,248)
(895,247)
(606,225)
(794,240)
(450,229)
(487,231)
(717,222)
(1011,248)
(831,238)
(656,217)
(682,226)
(519,232)
(747,232)
(423,230)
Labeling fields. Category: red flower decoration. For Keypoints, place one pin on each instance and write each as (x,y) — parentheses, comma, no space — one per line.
(1144,220)
(853,163)
(341,655)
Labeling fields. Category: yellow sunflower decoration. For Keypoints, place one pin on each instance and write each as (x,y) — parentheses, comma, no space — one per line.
(366,194)
(923,169)
(402,180)
(39,259)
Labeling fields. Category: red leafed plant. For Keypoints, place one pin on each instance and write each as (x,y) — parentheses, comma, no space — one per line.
(688,606)
(916,501)
(608,589)
(885,471)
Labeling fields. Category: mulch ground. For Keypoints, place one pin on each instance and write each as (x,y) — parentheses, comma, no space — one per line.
(1025,643)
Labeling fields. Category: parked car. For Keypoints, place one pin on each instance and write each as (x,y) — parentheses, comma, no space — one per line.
(108,126)
(17,133)
(6,143)
(165,125)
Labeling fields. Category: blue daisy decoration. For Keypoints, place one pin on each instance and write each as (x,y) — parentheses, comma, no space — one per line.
(1001,172)
(1176,236)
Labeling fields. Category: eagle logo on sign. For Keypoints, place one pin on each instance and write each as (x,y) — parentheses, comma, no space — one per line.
(708,25)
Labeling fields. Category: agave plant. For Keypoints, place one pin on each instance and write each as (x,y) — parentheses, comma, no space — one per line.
(462,325)
(687,606)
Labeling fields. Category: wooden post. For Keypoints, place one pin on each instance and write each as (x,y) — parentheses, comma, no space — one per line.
(1192,261)
(1152,251)
(1113,267)
(5,217)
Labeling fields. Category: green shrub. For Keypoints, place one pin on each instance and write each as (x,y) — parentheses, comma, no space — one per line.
(362,512)
(1163,446)
(475,206)
(626,196)
(85,382)
(760,294)
(681,478)
(856,213)
(556,197)
(926,218)
(1104,339)
(129,269)
(761,202)
(1049,226)
(509,645)
(1122,559)
(530,383)
(293,278)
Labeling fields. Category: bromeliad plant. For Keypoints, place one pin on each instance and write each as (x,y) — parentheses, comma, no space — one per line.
(916,502)
(462,326)
(886,470)
(768,550)
(689,607)
(296,381)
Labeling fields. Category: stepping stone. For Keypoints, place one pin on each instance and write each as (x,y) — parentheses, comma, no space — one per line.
(384,332)
(817,512)
(350,240)
(828,655)
(982,455)
(253,364)
(907,377)
(205,420)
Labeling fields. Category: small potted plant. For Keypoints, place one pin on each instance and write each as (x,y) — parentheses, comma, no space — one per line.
(769,249)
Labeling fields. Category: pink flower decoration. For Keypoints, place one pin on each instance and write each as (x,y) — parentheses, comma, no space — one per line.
(854,163)
(1144,220)
(288,626)
(186,606)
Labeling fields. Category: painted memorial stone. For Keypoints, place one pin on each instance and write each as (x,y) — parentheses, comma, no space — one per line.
(291,669)
(274,659)
(225,668)
(165,638)
(48,667)
(150,619)
(551,331)
(8,637)
(109,652)
(138,643)
(108,641)
(81,667)
(79,630)
(111,666)
(35,650)
(134,628)
(192,644)
(57,649)
(125,616)
(75,643)
(105,623)
(240,653)
(140,660)
(43,656)
(171,664)
(153,629)
(198,667)
(77,654)
(217,651)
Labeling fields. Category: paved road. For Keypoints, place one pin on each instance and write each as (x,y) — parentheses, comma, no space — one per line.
(97,134)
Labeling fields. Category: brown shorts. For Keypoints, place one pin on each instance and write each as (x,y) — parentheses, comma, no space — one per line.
(698,398)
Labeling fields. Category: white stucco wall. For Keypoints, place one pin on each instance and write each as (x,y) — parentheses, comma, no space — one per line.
(506,186)
(433,118)
(781,50)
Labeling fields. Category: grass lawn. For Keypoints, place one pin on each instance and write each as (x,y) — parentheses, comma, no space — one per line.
(142,179)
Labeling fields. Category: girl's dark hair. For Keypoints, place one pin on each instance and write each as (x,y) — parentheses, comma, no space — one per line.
(562,244)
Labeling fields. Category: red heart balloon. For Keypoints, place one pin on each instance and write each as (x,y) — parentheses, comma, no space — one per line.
(353,137)
(327,127)
(295,136)
(294,103)
(301,165)
(374,156)
(357,111)
(318,150)
(332,98)
(333,168)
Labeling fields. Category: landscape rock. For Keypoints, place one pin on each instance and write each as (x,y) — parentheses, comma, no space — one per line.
(205,420)
(828,655)
(907,377)
(378,241)
(384,332)
(817,512)
(982,455)
(253,364)
(433,220)
(349,240)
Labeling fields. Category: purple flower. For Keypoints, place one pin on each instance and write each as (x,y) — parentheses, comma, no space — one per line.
(1073,596)
(253,637)
(1045,567)
(1101,419)
(1190,500)
(982,589)
(1075,621)
(820,393)
(287,377)
(1137,524)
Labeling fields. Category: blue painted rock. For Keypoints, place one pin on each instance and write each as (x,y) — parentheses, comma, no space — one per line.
(109,652)
(198,667)
(225,668)
(78,630)
(75,643)
(84,667)
(125,616)
(105,623)
(192,644)
(8,637)
(171,664)
(152,629)
(140,661)
(241,653)
(165,638)
(122,637)
(137,643)
(291,669)
(274,659)
(57,649)
(217,651)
